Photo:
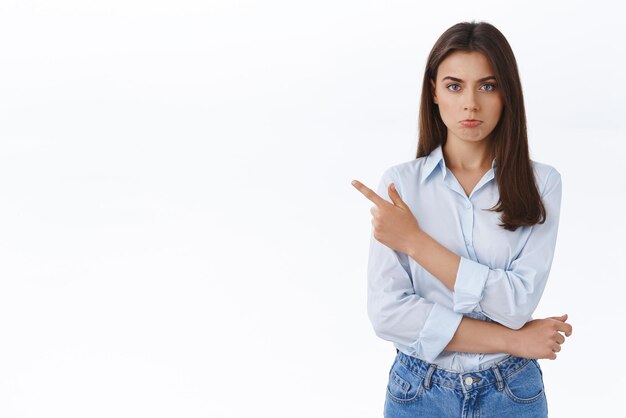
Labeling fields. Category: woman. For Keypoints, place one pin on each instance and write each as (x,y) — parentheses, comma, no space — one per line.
(460,256)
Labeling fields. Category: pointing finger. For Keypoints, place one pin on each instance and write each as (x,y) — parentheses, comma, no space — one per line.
(369,193)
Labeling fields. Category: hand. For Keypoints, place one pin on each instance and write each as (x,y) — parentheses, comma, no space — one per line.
(540,338)
(394,223)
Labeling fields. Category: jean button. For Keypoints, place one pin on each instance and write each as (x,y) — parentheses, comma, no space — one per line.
(469,381)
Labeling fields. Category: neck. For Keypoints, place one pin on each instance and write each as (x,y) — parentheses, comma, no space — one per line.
(467,156)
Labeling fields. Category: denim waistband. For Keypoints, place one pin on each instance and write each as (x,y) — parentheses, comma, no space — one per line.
(466,380)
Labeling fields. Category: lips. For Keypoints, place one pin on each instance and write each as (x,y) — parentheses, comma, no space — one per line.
(470,123)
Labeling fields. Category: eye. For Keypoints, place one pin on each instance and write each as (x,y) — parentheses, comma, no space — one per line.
(491,87)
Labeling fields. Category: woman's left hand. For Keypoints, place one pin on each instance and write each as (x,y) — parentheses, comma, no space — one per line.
(394,224)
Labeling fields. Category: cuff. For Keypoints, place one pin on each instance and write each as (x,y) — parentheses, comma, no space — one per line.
(469,285)
(438,330)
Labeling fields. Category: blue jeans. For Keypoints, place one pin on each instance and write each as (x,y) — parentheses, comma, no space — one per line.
(512,388)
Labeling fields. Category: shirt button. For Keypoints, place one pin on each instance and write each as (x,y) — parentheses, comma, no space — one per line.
(469,381)
(469,205)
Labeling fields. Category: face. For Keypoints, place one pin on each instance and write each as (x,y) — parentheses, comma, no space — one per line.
(463,91)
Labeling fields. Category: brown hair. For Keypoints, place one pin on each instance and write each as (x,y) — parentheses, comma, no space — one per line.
(520,200)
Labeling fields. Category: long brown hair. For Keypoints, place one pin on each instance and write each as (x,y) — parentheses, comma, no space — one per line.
(520,201)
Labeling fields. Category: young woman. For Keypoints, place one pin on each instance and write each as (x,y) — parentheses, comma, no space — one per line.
(460,256)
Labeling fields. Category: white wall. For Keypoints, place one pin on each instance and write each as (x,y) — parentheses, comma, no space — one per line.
(178,232)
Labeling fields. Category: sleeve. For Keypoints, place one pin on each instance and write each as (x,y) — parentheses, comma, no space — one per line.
(510,296)
(396,312)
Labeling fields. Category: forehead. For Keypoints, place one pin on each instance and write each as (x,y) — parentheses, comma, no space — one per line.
(465,65)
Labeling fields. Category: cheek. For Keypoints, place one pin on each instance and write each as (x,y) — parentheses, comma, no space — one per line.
(497,110)
(444,113)
(497,105)
(446,107)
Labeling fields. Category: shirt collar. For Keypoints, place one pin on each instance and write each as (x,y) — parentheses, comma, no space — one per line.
(435,158)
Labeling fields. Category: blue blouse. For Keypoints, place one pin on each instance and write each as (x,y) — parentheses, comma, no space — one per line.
(501,276)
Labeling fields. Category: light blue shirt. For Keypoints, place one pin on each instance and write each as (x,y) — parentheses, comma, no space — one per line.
(501,276)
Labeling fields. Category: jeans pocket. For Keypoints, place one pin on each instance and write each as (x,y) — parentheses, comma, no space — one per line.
(525,385)
(404,386)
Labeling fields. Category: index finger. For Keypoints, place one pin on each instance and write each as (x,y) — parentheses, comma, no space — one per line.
(369,193)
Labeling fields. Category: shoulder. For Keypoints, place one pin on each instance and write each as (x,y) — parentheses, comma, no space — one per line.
(547,176)
(405,169)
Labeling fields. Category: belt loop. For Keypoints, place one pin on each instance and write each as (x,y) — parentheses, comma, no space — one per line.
(500,381)
(429,375)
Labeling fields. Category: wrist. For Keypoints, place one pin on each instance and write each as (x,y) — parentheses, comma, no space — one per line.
(416,244)
(509,341)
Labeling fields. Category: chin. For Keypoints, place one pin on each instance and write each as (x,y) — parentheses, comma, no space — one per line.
(472,138)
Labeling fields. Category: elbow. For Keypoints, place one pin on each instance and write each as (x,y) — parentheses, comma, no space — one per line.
(382,329)
(515,325)
(512,319)
(383,321)
(516,309)
(378,323)
(514,322)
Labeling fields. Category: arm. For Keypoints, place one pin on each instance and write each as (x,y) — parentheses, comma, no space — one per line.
(396,312)
(539,338)
(508,296)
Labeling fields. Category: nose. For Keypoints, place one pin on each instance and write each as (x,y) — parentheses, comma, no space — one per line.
(470,102)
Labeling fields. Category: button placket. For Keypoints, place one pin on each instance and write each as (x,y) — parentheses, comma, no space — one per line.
(468,223)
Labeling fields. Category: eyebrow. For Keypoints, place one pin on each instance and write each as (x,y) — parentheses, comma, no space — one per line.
(489,77)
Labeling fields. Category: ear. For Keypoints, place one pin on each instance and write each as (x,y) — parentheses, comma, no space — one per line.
(433,88)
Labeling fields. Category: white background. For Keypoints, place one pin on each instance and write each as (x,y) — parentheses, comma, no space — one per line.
(178,232)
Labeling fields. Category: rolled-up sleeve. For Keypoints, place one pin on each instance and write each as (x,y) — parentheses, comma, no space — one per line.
(510,296)
(396,312)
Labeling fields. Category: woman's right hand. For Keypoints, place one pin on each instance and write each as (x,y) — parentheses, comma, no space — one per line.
(540,338)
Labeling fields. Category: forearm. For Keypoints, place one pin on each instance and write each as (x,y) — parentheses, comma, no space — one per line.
(435,258)
(476,336)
